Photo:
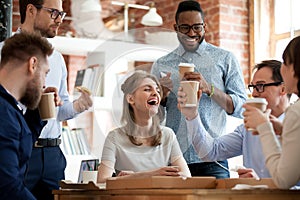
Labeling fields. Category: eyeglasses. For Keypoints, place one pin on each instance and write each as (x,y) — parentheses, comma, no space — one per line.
(260,87)
(185,28)
(54,12)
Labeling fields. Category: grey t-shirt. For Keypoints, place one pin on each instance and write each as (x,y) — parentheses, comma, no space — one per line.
(124,155)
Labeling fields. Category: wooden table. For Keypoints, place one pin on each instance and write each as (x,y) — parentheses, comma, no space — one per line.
(176,194)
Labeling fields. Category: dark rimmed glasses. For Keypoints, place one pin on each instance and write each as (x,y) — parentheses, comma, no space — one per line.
(185,28)
(54,12)
(260,87)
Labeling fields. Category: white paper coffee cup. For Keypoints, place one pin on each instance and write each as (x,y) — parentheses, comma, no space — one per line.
(185,67)
(191,90)
(260,103)
(46,106)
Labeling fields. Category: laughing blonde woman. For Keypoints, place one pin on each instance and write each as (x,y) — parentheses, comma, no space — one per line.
(141,147)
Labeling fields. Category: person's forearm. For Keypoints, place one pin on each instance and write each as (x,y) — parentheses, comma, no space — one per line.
(224,100)
(200,138)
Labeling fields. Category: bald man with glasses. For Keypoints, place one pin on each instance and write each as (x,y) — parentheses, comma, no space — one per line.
(268,84)
(47,163)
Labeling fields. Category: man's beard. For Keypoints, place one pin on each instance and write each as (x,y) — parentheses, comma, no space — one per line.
(44,32)
(32,95)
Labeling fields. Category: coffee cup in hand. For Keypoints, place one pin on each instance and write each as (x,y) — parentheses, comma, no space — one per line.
(190,88)
(47,106)
(260,103)
(185,67)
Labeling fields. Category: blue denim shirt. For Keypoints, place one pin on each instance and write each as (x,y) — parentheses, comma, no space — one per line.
(239,142)
(218,67)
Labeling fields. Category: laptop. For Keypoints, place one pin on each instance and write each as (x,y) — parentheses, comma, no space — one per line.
(87,165)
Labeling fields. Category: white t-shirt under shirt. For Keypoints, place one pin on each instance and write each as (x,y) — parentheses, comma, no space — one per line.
(123,155)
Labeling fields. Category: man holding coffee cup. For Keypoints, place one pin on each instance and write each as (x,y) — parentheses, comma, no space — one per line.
(23,69)
(220,79)
(47,163)
(268,91)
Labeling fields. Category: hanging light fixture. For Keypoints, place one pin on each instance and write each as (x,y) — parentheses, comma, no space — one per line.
(90,6)
(149,19)
(87,21)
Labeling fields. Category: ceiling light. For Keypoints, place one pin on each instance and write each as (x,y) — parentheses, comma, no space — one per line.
(90,6)
(151,18)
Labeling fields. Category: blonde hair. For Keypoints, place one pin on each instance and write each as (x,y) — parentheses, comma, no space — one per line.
(128,120)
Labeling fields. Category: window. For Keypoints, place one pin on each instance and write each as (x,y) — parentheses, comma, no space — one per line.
(286,24)
(275,23)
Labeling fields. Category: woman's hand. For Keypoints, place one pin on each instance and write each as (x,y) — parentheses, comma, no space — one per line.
(277,125)
(165,171)
(247,173)
(125,173)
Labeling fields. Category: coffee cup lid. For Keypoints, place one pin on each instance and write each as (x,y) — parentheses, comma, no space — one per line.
(257,100)
(187,64)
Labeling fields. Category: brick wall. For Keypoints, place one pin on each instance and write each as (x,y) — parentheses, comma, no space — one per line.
(16,20)
(227,23)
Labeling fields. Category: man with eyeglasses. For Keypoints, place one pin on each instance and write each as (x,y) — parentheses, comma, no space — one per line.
(47,163)
(268,84)
(261,86)
(220,79)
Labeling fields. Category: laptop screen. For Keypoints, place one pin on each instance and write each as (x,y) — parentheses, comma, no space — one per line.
(87,165)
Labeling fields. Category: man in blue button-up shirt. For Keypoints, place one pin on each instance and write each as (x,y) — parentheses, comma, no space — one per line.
(220,79)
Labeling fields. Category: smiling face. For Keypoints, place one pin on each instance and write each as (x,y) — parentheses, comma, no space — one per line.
(43,22)
(146,99)
(190,40)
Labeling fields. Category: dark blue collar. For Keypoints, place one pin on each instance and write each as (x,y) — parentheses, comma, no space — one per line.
(4,94)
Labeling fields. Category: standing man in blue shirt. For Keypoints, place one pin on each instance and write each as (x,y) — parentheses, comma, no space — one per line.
(23,69)
(267,83)
(220,79)
(47,163)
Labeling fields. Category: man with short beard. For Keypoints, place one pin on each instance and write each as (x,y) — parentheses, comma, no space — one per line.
(23,69)
(47,163)
(221,82)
